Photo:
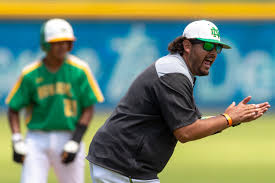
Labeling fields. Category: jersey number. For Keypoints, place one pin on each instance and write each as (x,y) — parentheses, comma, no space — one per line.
(70,108)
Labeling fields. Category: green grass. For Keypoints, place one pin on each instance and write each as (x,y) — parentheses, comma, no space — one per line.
(244,154)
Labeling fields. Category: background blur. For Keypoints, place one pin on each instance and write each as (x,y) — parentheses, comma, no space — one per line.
(121,38)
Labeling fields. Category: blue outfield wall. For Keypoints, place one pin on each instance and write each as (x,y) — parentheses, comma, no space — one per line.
(119,50)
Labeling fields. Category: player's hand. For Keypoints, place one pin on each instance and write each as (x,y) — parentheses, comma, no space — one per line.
(19,151)
(244,112)
(69,152)
(262,108)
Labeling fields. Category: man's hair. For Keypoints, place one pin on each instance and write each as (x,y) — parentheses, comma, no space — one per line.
(176,46)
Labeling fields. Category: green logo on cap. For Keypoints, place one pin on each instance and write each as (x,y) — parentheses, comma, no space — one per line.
(215,32)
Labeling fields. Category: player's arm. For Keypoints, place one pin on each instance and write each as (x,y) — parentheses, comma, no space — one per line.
(14,122)
(72,146)
(87,116)
(18,98)
(83,123)
(19,146)
(90,95)
(175,95)
(201,128)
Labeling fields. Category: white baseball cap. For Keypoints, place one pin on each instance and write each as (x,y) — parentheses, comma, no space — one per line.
(56,30)
(205,31)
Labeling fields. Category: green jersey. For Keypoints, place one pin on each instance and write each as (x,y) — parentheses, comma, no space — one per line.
(55,101)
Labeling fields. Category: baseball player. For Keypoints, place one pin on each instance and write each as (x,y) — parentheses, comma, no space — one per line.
(58,92)
(159,110)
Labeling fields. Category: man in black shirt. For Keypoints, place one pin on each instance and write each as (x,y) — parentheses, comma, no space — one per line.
(138,139)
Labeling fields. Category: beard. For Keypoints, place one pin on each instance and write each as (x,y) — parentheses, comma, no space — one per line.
(201,64)
(203,73)
(201,70)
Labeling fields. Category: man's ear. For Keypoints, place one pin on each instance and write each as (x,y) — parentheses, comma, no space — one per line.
(187,46)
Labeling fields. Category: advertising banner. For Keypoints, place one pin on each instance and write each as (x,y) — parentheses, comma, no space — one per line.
(117,51)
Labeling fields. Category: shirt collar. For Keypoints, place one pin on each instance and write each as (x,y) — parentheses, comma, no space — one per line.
(184,63)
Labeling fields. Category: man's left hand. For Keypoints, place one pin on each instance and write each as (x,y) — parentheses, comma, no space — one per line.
(70,151)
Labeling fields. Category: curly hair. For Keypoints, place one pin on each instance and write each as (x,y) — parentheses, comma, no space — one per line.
(176,46)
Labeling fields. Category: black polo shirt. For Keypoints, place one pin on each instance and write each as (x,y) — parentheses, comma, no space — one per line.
(137,140)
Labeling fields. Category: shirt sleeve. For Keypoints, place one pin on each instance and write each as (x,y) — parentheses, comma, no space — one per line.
(19,97)
(175,97)
(90,92)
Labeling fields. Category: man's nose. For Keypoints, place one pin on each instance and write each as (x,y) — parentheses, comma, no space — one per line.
(214,51)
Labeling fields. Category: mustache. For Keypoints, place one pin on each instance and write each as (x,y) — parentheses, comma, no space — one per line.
(211,57)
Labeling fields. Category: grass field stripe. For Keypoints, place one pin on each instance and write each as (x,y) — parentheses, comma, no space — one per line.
(139,10)
(91,80)
(17,85)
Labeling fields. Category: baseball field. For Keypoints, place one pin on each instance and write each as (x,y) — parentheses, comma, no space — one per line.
(244,154)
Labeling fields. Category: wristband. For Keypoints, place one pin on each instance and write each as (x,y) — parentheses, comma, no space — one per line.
(16,137)
(79,132)
(228,119)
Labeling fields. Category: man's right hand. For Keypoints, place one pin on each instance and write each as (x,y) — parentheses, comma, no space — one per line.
(244,112)
(19,150)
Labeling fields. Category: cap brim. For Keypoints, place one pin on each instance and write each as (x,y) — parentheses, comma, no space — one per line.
(61,39)
(215,41)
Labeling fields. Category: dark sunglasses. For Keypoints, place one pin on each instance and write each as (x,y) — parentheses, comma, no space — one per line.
(207,46)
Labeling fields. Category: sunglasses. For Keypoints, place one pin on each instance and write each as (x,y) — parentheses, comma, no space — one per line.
(207,46)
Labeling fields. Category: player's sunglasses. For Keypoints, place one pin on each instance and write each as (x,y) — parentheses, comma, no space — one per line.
(207,46)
